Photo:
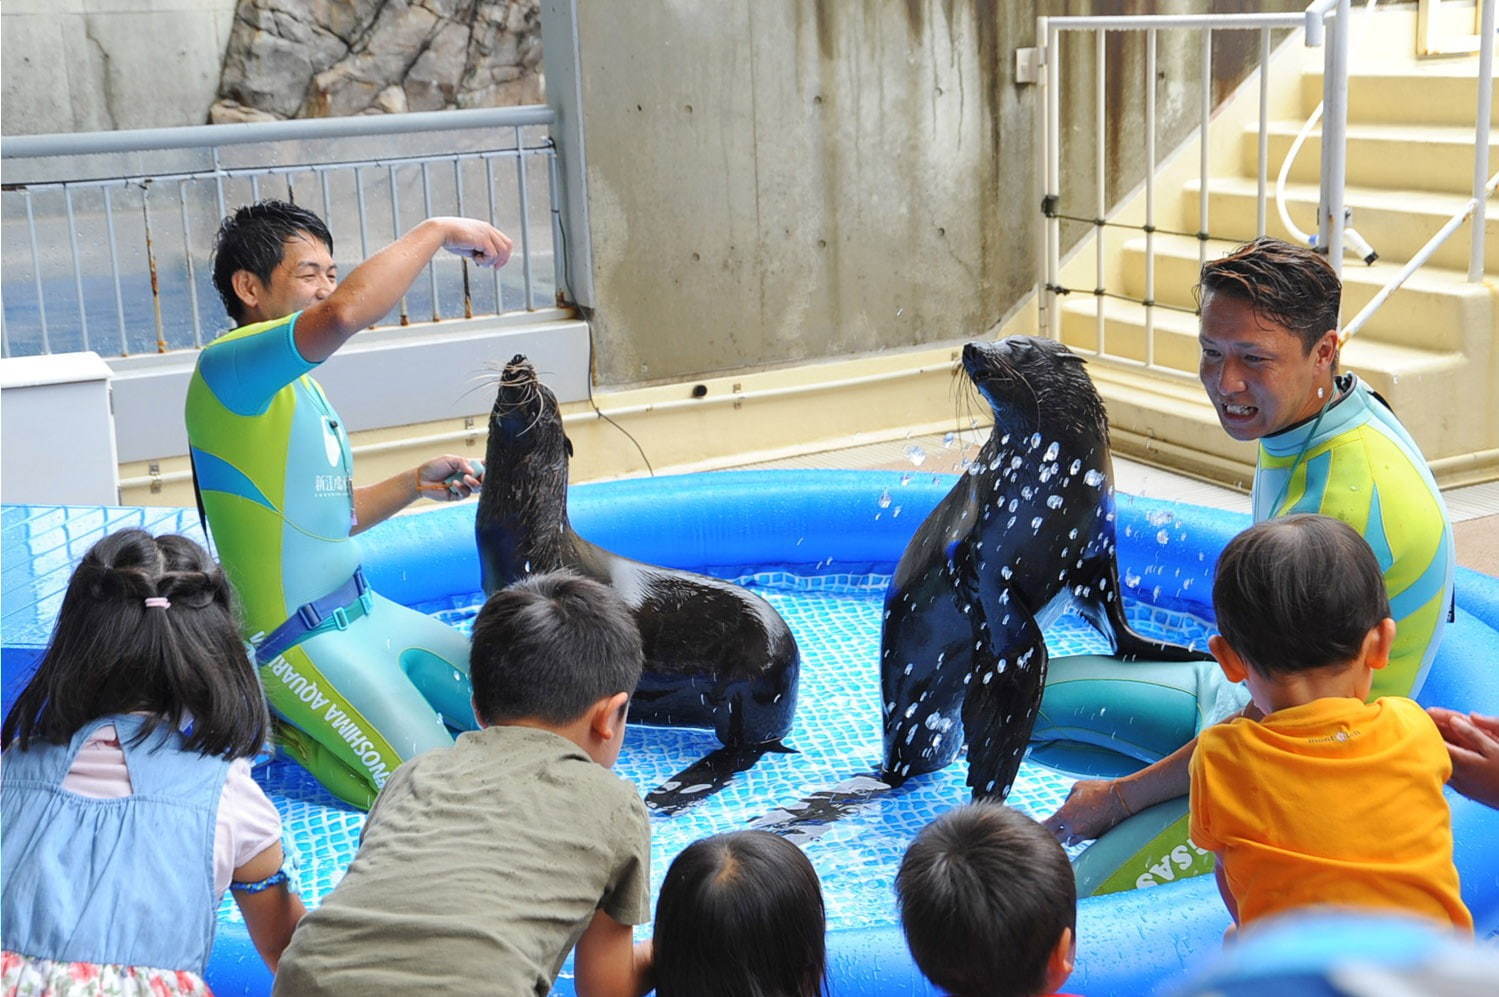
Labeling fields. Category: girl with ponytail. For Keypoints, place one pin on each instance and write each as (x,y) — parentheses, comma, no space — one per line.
(126,801)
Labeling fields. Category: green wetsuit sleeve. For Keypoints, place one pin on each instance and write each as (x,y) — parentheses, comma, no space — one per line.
(1368,479)
(245,368)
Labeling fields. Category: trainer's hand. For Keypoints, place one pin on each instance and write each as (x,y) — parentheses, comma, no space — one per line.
(1473,742)
(479,241)
(447,479)
(1090,810)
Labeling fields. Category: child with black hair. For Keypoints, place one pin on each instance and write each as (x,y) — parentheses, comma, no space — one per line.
(740,915)
(126,799)
(1327,799)
(988,904)
(482,865)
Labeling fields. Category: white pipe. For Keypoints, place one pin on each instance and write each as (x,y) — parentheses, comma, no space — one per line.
(1335,138)
(1044,300)
(1264,141)
(1481,142)
(1292,229)
(1054,168)
(1313,17)
(1150,54)
(1202,154)
(573,418)
(1100,49)
(1150,22)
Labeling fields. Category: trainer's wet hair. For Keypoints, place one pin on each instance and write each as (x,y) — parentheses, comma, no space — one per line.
(254,239)
(112,653)
(740,915)
(1290,285)
(550,646)
(984,894)
(1298,592)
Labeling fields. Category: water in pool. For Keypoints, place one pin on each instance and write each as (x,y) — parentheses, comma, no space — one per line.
(836,619)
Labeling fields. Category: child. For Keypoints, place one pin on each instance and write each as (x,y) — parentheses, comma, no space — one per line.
(740,915)
(1327,799)
(127,801)
(988,904)
(483,864)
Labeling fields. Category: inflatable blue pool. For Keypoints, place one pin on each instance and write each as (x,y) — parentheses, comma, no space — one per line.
(820,545)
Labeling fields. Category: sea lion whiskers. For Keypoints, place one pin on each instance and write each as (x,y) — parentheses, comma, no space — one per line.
(966,411)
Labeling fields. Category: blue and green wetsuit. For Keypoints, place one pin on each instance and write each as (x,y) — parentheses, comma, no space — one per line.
(1354,462)
(360,683)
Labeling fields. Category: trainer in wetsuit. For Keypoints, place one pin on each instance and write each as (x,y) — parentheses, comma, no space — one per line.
(1327,444)
(359,683)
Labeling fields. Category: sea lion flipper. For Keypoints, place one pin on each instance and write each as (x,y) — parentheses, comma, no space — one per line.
(999,707)
(706,777)
(1099,599)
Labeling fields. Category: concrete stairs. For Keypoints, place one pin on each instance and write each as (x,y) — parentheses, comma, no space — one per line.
(1430,350)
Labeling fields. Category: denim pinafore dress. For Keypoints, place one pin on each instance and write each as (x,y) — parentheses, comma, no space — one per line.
(125,881)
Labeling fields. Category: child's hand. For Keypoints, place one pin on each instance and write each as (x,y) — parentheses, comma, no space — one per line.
(1473,742)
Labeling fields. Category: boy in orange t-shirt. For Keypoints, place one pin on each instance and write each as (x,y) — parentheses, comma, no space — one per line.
(1326,799)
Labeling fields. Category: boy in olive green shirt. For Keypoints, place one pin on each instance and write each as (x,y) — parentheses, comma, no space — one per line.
(482,865)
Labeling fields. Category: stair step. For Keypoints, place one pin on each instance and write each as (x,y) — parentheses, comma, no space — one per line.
(1408,377)
(1436,309)
(1399,157)
(1444,93)
(1396,222)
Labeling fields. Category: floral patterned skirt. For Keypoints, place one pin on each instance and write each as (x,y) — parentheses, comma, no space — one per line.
(23,976)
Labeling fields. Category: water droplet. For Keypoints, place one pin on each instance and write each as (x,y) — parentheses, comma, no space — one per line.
(1035,440)
(1075,467)
(884,499)
(1094,478)
(948,440)
(1052,451)
(1036,523)
(1054,501)
(915,455)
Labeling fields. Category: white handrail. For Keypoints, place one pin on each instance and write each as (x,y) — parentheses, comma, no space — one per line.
(1362,248)
(1419,260)
(1481,139)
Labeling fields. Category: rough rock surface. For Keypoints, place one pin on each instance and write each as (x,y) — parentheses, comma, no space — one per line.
(317,58)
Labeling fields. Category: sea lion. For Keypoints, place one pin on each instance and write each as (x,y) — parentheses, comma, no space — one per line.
(716,655)
(1028,530)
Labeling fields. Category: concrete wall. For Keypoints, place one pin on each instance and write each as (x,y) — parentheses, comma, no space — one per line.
(92,65)
(778,181)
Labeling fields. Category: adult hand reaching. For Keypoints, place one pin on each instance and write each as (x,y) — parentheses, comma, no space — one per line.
(1473,742)
(447,479)
(1093,807)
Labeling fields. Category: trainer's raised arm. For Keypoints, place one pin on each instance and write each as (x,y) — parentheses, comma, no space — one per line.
(378,283)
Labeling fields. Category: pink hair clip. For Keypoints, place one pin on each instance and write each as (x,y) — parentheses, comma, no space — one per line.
(158,602)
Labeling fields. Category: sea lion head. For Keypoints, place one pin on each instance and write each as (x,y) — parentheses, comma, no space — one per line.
(1033,383)
(525,418)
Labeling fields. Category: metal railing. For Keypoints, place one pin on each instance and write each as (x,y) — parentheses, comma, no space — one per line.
(1049,31)
(1483,186)
(1326,23)
(102,252)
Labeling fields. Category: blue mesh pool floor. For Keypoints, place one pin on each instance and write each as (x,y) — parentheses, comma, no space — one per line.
(836,619)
